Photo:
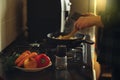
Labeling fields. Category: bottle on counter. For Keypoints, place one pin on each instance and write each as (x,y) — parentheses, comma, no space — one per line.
(61,58)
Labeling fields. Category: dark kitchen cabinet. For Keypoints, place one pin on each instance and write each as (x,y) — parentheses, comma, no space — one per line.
(43,17)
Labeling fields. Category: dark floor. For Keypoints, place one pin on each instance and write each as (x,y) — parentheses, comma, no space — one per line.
(105,72)
(104,78)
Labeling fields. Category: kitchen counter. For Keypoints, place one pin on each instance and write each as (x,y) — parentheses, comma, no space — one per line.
(51,74)
(74,71)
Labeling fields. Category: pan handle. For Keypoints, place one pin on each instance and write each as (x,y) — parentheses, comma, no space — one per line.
(87,41)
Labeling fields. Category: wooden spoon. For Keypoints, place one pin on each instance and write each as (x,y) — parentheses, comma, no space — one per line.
(70,34)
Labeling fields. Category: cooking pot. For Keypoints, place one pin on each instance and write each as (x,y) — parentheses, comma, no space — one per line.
(77,39)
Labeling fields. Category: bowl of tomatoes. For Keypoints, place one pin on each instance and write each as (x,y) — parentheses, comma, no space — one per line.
(32,61)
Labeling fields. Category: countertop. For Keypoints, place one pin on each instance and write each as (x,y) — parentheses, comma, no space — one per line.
(51,74)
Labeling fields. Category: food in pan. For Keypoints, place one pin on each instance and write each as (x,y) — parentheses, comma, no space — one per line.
(64,37)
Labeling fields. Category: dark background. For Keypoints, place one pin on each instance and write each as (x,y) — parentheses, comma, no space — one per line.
(43,18)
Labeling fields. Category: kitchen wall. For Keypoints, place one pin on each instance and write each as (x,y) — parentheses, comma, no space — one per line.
(11,23)
(82,6)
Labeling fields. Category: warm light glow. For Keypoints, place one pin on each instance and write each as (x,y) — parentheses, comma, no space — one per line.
(93,38)
(100,5)
(95,3)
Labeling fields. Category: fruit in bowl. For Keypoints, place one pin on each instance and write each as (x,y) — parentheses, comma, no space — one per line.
(32,60)
(30,63)
(42,60)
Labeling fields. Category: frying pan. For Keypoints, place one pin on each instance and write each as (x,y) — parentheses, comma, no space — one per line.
(77,39)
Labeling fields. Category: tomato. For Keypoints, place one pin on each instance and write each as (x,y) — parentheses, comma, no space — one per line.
(42,60)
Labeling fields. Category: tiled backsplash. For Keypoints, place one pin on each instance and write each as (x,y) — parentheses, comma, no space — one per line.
(11,12)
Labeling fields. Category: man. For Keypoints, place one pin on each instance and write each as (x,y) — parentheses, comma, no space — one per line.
(108,41)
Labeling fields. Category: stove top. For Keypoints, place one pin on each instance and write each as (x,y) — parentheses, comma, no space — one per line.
(79,54)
